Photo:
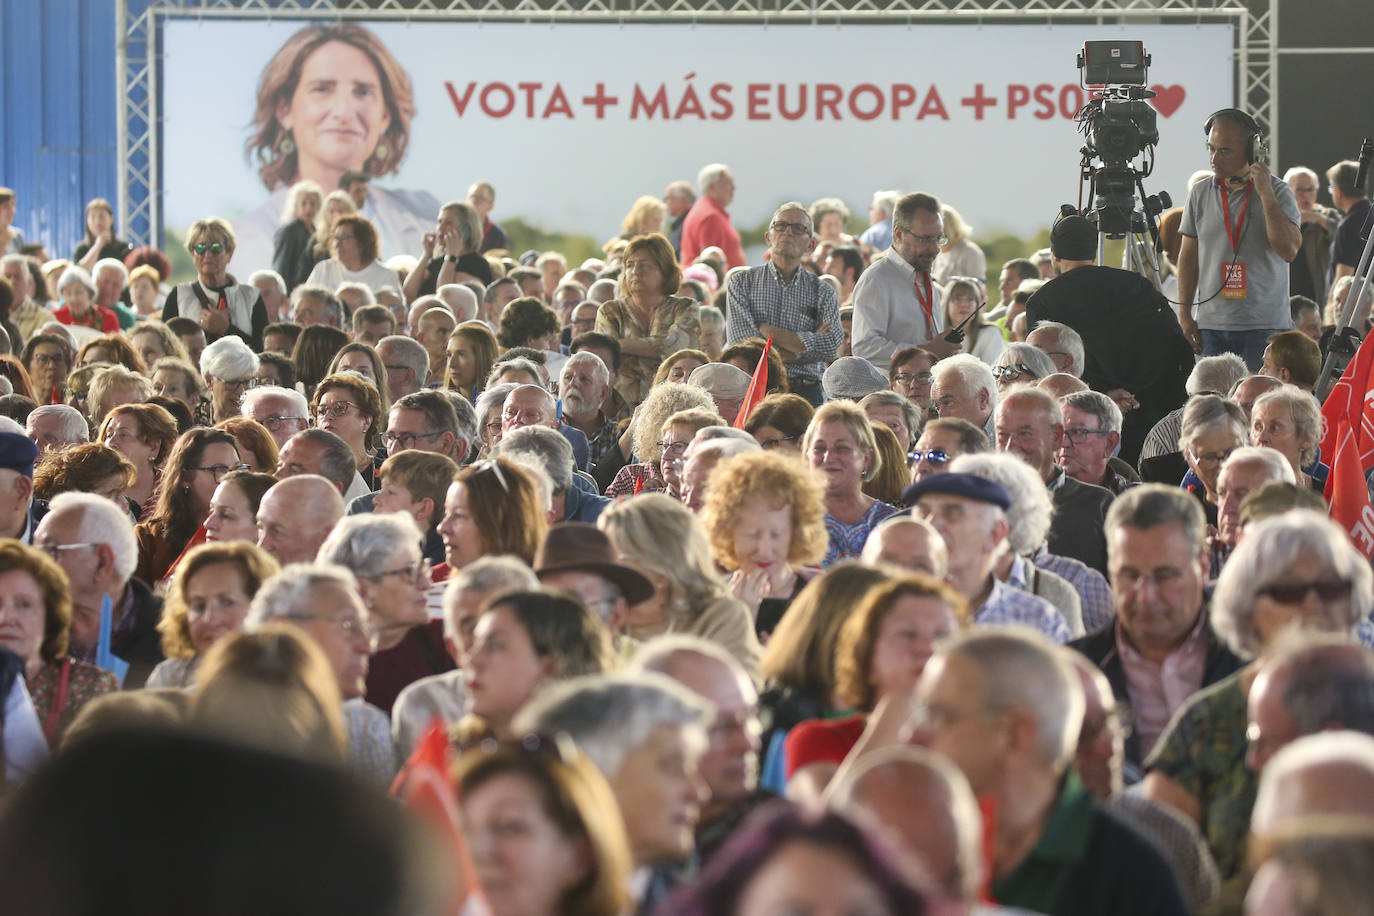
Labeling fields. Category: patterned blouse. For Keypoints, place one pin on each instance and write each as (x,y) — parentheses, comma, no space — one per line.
(848,540)
(674,327)
(1203,750)
(85,682)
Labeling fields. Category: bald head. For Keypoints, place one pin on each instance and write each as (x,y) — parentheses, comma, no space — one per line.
(1060,384)
(1101,740)
(1248,390)
(1315,682)
(925,808)
(528,405)
(908,543)
(1328,775)
(296,515)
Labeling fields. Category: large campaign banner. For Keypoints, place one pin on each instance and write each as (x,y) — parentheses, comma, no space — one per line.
(571,122)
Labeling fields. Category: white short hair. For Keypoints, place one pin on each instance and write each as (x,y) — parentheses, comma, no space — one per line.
(75,429)
(1070,343)
(364,543)
(369,298)
(709,175)
(488,574)
(973,372)
(887,201)
(102,522)
(1217,374)
(288,592)
(111,264)
(1278,467)
(597,364)
(75,274)
(272,275)
(299,406)
(228,358)
(1028,518)
(608,716)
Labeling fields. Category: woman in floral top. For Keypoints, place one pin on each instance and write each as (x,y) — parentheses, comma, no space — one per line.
(1268,588)
(35,620)
(649,323)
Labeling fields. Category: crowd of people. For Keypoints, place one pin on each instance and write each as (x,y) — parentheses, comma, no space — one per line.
(830,584)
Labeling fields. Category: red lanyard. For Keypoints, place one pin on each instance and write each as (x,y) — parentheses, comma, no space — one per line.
(1234,237)
(926,297)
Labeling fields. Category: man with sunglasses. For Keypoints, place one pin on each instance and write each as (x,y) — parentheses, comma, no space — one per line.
(896,304)
(942,440)
(790,305)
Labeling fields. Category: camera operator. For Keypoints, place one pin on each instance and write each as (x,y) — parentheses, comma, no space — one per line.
(1240,232)
(1134,351)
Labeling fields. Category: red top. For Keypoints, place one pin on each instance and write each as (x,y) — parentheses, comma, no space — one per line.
(820,740)
(708,224)
(102,318)
(419,654)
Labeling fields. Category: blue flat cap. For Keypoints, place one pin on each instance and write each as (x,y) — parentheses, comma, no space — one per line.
(17,453)
(969,486)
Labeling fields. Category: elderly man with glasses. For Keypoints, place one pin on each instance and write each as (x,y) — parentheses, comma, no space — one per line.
(282,410)
(790,305)
(895,303)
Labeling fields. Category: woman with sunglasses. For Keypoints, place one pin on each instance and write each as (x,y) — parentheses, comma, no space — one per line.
(383,551)
(218,302)
(1020,364)
(964,298)
(1297,571)
(199,460)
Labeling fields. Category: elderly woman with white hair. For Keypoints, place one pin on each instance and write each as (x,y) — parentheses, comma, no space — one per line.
(79,309)
(229,366)
(214,299)
(1296,571)
(1028,518)
(1021,364)
(1213,427)
(1287,420)
(383,552)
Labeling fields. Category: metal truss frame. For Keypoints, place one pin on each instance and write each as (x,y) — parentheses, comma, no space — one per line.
(138,30)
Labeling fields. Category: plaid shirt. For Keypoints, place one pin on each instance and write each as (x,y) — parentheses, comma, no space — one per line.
(759,296)
(601,441)
(1011,605)
(1093,591)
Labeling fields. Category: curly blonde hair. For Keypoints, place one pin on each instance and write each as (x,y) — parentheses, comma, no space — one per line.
(777,481)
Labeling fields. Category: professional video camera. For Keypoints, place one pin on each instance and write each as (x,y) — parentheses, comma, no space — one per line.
(1120,126)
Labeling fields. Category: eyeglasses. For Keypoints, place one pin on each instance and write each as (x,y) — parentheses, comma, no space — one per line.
(408,440)
(1211,458)
(770,444)
(790,228)
(276,422)
(493,427)
(351,626)
(674,449)
(335,411)
(1015,370)
(213,248)
(343,238)
(417,573)
(55,550)
(920,378)
(219,470)
(1296,592)
(936,456)
(238,384)
(1079,434)
(941,240)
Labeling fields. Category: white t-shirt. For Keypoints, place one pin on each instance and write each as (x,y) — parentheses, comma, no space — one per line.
(331,273)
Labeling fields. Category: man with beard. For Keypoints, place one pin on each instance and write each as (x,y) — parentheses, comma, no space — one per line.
(583,385)
(895,303)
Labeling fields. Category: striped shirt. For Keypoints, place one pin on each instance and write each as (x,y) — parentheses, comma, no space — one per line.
(805,306)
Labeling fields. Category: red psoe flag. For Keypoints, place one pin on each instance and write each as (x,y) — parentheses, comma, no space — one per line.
(1349,402)
(427,791)
(1347,494)
(758,386)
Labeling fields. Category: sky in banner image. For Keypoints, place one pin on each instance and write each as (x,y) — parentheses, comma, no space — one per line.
(572,122)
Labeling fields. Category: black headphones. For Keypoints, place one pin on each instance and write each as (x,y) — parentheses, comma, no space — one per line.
(1254,135)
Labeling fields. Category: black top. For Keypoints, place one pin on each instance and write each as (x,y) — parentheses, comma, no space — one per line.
(1080,511)
(293,254)
(1131,339)
(1348,243)
(141,647)
(473,264)
(117,249)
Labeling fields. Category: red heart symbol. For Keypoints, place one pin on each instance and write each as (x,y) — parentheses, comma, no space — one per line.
(1167,99)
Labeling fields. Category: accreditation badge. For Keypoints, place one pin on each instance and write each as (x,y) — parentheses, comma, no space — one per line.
(1233,280)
